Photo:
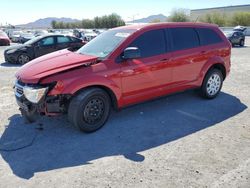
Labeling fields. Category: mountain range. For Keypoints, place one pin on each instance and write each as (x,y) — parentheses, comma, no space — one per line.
(46,22)
(149,19)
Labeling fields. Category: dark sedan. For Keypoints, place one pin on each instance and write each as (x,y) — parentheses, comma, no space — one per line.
(236,38)
(39,46)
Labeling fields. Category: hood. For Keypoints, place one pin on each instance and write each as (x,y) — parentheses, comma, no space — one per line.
(17,47)
(51,64)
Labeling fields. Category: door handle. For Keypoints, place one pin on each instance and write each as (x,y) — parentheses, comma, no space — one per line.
(203,52)
(165,60)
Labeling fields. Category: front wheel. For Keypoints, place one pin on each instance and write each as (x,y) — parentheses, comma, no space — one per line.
(89,110)
(23,59)
(212,84)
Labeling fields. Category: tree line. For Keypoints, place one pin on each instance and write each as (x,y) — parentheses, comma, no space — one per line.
(221,19)
(107,21)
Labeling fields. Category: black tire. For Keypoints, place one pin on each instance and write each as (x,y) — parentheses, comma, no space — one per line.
(23,59)
(89,110)
(29,117)
(210,91)
(242,42)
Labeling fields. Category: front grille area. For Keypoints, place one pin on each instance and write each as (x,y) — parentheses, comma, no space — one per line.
(19,89)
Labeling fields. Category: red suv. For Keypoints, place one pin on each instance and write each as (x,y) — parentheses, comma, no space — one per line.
(121,67)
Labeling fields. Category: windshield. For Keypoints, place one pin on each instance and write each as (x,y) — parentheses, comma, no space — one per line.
(105,43)
(33,40)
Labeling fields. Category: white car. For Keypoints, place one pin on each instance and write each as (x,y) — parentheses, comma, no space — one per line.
(88,35)
(15,36)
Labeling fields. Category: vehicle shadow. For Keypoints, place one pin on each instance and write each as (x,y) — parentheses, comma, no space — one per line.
(6,64)
(55,144)
(240,46)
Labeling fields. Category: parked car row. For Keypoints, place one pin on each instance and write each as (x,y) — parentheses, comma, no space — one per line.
(22,36)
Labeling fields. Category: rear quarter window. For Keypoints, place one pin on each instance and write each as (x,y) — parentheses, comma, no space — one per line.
(184,38)
(208,36)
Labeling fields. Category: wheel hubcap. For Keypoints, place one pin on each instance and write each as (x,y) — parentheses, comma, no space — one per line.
(213,84)
(93,111)
(23,59)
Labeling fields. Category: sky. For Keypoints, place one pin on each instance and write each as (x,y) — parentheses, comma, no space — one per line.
(25,11)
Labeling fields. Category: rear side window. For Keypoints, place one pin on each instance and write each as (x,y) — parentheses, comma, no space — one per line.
(208,36)
(150,43)
(184,38)
(62,39)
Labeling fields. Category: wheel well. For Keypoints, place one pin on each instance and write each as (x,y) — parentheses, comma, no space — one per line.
(107,90)
(219,67)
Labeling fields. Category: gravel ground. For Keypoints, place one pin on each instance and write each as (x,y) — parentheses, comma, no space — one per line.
(177,141)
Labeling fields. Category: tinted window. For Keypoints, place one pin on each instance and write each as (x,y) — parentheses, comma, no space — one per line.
(46,41)
(208,36)
(150,43)
(63,40)
(184,38)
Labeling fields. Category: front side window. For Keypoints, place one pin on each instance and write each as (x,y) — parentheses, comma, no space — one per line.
(46,41)
(184,38)
(150,43)
(105,43)
(62,40)
(209,36)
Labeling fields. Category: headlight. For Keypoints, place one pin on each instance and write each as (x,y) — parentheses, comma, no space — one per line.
(11,51)
(34,95)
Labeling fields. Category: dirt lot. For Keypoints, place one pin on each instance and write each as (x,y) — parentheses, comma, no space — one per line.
(177,141)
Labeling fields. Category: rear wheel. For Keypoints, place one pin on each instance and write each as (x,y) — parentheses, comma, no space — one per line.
(23,59)
(89,110)
(212,84)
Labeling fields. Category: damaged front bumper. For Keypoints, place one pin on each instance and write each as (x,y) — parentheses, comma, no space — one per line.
(48,105)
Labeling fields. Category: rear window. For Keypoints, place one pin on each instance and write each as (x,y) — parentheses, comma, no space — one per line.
(208,36)
(150,43)
(184,38)
(73,39)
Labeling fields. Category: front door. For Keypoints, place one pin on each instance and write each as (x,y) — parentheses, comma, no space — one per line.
(142,78)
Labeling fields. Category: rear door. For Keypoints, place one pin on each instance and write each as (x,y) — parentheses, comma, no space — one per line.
(186,55)
(236,38)
(45,46)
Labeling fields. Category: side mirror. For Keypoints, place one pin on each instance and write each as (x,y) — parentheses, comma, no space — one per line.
(131,53)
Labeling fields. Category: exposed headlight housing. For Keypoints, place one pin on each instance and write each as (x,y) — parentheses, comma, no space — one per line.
(34,95)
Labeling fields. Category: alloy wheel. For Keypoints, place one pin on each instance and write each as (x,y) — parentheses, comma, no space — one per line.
(213,84)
